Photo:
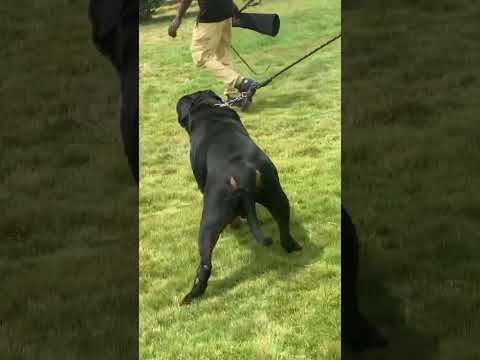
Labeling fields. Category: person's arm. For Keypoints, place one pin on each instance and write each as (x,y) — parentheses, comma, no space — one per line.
(182,9)
(236,11)
(236,15)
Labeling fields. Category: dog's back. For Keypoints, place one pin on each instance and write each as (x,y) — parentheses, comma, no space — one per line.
(217,138)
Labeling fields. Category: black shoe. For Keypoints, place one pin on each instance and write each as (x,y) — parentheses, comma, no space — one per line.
(248,87)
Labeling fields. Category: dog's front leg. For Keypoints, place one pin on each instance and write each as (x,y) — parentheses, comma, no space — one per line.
(207,240)
(214,219)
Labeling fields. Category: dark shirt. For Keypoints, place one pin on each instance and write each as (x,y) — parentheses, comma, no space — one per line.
(215,10)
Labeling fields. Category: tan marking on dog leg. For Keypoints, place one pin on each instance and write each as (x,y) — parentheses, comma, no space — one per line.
(258,178)
(233,183)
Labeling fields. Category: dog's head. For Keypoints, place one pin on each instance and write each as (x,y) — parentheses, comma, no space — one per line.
(115,29)
(188,103)
(115,35)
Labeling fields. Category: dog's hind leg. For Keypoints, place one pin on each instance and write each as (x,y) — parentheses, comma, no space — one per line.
(214,219)
(249,207)
(357,332)
(275,200)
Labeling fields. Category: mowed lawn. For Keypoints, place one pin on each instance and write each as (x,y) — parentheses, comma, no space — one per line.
(261,303)
(69,205)
(410,178)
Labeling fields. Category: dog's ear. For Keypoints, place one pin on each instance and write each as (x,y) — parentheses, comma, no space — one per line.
(183,110)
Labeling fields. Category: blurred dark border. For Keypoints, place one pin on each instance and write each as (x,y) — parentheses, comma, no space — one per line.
(410,173)
(69,220)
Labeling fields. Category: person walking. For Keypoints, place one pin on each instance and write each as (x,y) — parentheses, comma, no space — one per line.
(211,41)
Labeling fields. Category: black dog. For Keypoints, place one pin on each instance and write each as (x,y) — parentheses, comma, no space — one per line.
(115,34)
(357,332)
(233,174)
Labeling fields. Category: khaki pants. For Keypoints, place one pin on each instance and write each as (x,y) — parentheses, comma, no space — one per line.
(211,51)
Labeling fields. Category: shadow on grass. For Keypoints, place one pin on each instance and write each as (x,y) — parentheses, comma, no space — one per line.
(387,313)
(384,313)
(286,101)
(271,259)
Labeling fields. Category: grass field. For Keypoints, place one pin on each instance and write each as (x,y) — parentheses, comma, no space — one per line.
(261,303)
(68,263)
(410,153)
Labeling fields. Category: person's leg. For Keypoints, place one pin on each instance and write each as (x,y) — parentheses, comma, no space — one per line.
(205,38)
(223,48)
(224,56)
(241,84)
(205,42)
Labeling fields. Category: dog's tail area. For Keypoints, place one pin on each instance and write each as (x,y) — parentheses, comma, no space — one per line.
(243,182)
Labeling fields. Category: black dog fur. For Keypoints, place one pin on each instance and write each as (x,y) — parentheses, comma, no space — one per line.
(115,34)
(233,174)
(358,334)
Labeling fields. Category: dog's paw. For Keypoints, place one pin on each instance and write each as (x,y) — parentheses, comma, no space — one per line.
(292,246)
(267,241)
(187,300)
(236,223)
(362,335)
(365,341)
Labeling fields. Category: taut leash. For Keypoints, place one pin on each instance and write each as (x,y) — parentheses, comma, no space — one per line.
(250,3)
(270,79)
(245,62)
(266,82)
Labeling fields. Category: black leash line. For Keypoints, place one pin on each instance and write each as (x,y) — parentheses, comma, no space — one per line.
(250,3)
(245,62)
(270,79)
(249,94)
(246,5)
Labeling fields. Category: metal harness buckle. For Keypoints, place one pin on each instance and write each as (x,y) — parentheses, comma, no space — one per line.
(233,101)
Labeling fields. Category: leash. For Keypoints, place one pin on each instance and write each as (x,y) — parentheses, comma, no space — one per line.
(246,5)
(250,3)
(233,101)
(270,79)
(246,64)
(266,82)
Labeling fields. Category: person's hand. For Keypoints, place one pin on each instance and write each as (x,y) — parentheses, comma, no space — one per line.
(236,15)
(172,29)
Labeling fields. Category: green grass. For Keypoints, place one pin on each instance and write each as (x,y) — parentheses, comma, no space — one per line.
(410,172)
(68,235)
(261,303)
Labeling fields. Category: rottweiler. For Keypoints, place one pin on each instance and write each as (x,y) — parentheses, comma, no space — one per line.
(358,334)
(233,174)
(115,34)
